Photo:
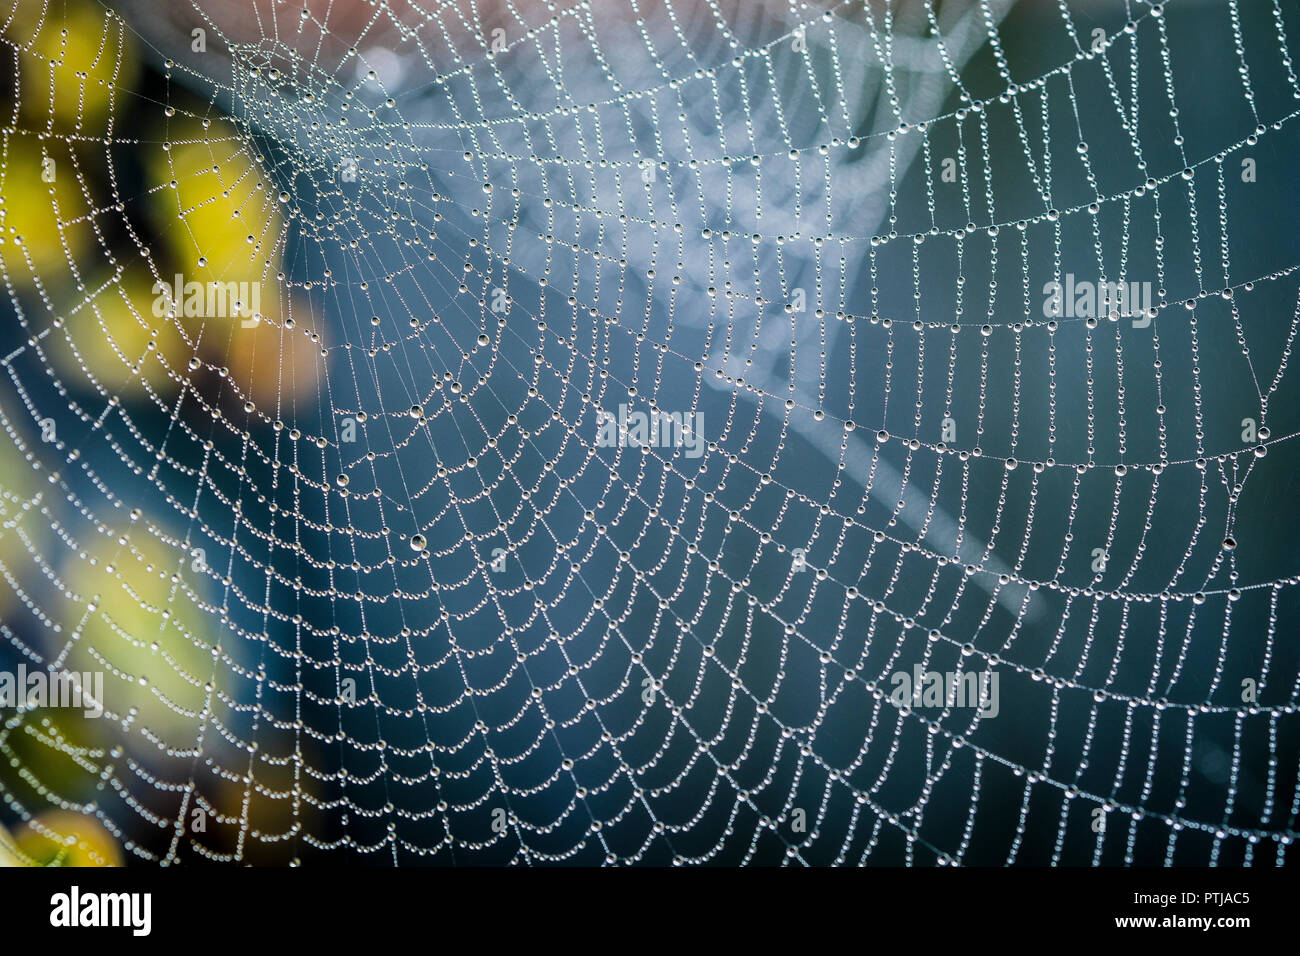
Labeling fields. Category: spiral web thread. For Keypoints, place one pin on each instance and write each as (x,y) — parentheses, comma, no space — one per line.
(474,633)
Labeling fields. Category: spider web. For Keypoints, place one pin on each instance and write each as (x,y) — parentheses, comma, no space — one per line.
(363,579)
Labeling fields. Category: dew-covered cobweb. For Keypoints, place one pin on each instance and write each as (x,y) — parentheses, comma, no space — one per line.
(363,583)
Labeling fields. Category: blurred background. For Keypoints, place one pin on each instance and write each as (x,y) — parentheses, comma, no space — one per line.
(221,516)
